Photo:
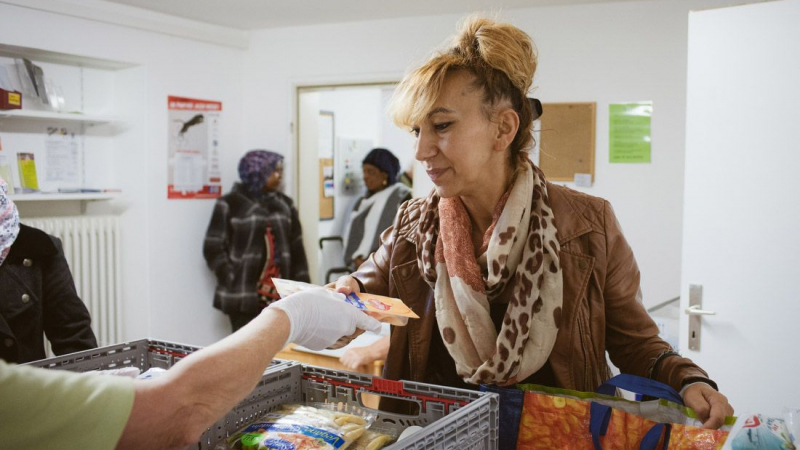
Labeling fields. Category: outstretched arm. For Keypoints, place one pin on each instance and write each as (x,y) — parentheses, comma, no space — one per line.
(173,411)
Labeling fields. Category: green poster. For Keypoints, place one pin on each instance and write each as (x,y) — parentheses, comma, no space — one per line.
(629,132)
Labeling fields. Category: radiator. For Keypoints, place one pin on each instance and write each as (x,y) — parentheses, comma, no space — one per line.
(91,246)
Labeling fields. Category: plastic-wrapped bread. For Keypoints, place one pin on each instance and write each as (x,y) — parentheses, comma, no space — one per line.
(298,427)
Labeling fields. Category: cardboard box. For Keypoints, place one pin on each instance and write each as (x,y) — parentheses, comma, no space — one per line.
(10,99)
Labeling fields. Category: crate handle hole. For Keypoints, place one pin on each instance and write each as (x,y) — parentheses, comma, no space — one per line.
(410,407)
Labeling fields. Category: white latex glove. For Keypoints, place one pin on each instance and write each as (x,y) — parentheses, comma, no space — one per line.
(319,317)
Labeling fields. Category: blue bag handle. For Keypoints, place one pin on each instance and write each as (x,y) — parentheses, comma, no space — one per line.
(653,435)
(639,385)
(600,416)
(511,403)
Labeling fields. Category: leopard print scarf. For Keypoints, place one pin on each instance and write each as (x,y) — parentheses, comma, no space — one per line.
(529,262)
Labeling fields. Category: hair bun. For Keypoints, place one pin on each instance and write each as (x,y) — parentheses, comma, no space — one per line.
(500,46)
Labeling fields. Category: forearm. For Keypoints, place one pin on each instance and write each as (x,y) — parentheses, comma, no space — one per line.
(221,375)
(204,386)
(174,410)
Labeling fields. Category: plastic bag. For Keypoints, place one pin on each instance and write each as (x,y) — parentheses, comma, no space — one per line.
(152,373)
(130,372)
(298,427)
(759,432)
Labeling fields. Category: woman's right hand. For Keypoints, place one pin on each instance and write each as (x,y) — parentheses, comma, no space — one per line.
(347,284)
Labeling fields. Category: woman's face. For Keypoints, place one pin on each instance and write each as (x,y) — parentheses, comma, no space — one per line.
(275,180)
(374,178)
(455,141)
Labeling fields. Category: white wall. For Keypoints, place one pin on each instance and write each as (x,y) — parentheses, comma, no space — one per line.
(167,288)
(615,52)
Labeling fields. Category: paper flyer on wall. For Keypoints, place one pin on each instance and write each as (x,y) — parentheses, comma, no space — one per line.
(386,309)
(193,166)
(62,156)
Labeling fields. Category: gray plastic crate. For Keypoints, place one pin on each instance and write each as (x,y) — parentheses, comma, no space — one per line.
(144,354)
(451,418)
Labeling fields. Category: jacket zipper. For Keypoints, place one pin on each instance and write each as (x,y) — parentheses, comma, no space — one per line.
(586,370)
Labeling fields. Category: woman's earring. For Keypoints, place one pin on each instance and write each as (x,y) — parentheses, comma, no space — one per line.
(385,182)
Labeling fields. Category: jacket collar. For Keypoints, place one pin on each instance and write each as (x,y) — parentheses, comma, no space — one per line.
(570,219)
(31,243)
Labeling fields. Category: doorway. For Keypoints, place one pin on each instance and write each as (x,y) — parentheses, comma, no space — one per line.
(337,127)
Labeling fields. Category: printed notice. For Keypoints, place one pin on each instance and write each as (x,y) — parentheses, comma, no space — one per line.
(629,132)
(194,159)
(61,155)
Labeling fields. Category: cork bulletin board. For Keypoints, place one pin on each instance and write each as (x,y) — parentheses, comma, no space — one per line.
(567,140)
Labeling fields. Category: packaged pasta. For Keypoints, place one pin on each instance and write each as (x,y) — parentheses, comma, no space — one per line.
(298,427)
(374,440)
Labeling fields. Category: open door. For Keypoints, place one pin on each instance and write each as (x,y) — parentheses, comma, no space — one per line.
(741,245)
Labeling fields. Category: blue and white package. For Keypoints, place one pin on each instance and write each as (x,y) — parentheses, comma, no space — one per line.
(758,432)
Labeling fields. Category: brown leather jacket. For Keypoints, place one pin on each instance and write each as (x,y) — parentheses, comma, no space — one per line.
(602,307)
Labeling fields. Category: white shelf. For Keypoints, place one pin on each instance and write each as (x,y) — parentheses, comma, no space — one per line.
(56,197)
(52,115)
(35,54)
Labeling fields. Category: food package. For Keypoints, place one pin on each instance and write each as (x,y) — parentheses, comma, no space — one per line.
(386,309)
(373,440)
(130,372)
(759,432)
(152,373)
(298,427)
(792,416)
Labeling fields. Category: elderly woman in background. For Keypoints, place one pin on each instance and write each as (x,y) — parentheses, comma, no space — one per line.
(516,280)
(375,211)
(254,235)
(372,215)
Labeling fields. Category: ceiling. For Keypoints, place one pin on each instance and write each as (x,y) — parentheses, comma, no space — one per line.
(259,14)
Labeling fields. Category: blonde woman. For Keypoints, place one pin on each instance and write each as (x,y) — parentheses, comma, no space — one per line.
(516,280)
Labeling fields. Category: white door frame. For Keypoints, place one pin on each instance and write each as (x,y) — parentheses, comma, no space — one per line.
(299,86)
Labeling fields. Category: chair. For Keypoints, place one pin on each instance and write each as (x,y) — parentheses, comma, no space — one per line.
(332,258)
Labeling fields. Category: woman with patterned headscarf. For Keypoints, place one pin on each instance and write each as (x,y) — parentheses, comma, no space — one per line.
(254,235)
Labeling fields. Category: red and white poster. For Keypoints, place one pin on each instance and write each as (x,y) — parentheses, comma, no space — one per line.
(193,166)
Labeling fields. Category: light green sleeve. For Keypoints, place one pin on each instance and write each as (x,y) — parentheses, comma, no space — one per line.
(48,409)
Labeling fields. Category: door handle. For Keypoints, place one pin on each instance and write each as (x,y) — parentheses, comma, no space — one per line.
(695,310)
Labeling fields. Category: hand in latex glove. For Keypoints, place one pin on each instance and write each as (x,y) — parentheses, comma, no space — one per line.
(319,317)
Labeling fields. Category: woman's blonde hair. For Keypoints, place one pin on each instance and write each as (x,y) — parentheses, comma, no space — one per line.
(502,59)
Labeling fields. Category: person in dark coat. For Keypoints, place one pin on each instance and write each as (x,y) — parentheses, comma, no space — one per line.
(254,235)
(37,293)
(375,211)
